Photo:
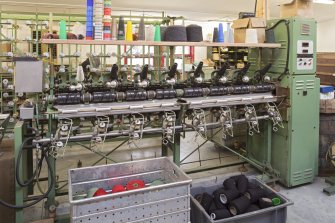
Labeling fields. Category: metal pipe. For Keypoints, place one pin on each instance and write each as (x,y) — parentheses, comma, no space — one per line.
(146,131)
(244,158)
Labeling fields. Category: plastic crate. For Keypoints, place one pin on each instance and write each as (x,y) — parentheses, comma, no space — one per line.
(168,203)
(274,214)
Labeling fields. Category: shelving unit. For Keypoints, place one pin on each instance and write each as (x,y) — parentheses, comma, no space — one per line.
(152,43)
(236,57)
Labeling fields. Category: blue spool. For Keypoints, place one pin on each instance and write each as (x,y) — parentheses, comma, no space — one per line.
(90,3)
(89,33)
(89,18)
(221,35)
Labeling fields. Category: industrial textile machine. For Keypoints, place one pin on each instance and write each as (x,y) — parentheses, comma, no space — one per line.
(275,96)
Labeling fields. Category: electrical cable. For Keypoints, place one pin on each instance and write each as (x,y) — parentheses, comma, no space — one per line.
(18,164)
(38,182)
(45,195)
(287,22)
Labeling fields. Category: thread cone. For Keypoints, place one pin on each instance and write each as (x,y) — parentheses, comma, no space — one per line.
(141,30)
(157,34)
(129,33)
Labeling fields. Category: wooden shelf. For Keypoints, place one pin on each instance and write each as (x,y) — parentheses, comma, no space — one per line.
(325,73)
(152,43)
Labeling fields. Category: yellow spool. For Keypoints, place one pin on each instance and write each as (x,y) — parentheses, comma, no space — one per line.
(129,33)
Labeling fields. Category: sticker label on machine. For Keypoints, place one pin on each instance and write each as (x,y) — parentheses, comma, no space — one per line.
(305,55)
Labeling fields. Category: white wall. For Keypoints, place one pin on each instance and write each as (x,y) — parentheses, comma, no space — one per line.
(326,36)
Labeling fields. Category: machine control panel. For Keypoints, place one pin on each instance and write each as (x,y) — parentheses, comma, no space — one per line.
(305,55)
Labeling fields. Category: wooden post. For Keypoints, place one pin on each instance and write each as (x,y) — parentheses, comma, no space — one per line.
(263,9)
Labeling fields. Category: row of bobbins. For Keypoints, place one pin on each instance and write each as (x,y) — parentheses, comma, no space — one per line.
(98,19)
(107,19)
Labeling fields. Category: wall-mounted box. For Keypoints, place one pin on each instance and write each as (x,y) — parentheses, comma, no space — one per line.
(29,76)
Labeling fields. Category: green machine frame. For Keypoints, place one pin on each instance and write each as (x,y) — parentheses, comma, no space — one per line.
(289,154)
(295,148)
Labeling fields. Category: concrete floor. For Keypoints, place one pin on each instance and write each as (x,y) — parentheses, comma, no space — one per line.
(310,204)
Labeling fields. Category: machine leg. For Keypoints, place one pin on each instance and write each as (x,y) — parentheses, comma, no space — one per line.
(19,192)
(165,150)
(176,149)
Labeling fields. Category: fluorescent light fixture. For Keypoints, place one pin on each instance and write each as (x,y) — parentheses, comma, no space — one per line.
(329,2)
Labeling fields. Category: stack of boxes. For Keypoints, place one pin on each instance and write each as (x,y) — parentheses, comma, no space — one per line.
(107,19)
(89,20)
(98,18)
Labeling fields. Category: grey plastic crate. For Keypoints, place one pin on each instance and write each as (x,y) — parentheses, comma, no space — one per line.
(167,203)
(276,214)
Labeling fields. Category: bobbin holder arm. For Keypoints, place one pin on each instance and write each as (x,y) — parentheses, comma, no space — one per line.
(196,76)
(259,74)
(114,73)
(143,81)
(144,73)
(217,74)
(242,72)
(172,72)
(198,72)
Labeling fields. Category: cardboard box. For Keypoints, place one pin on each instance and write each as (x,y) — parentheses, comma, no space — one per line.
(5,47)
(298,8)
(240,27)
(7,145)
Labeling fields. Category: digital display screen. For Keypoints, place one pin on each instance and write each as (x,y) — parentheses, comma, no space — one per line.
(305,44)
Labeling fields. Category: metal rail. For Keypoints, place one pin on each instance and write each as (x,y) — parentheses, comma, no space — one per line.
(180,128)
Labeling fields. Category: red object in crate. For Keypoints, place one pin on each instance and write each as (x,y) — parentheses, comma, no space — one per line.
(118,188)
(135,184)
(100,192)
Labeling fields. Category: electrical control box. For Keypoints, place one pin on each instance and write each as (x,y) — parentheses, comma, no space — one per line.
(298,52)
(305,55)
(29,77)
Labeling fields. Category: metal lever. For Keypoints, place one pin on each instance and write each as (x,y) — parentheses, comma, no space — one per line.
(197,75)
(260,74)
(242,77)
(226,122)
(170,79)
(219,76)
(64,130)
(251,118)
(114,80)
(199,122)
(136,127)
(143,81)
(169,124)
(275,116)
(101,127)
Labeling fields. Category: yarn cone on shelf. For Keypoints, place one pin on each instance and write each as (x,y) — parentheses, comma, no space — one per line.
(114,29)
(129,32)
(150,33)
(121,31)
(215,35)
(141,30)
(220,35)
(157,33)
(62,30)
